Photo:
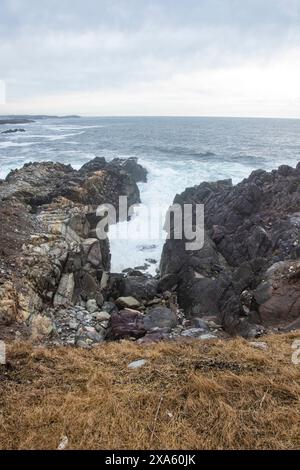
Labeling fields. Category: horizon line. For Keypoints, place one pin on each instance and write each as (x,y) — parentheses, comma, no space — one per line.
(75,115)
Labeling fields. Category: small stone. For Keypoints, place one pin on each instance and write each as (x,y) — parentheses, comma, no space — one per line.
(208,336)
(82,344)
(73,325)
(109,307)
(193,332)
(102,316)
(213,324)
(137,364)
(199,323)
(99,328)
(128,302)
(90,329)
(92,306)
(63,443)
(154,302)
(259,345)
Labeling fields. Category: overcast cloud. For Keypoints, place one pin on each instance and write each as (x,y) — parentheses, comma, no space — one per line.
(159,57)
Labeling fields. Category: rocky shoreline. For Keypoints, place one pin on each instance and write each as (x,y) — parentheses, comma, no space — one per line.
(55,281)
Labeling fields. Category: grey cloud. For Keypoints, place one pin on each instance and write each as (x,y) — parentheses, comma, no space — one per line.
(85,45)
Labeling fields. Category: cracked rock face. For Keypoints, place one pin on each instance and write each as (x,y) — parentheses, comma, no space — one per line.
(50,257)
(248,228)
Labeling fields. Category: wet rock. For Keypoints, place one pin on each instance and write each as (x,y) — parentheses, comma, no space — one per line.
(13,131)
(160,317)
(139,287)
(167,282)
(132,272)
(144,267)
(147,247)
(129,166)
(133,168)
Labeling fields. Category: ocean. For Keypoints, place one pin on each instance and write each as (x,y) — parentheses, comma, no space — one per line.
(178,153)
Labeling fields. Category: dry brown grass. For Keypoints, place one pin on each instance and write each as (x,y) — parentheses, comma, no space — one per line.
(212,395)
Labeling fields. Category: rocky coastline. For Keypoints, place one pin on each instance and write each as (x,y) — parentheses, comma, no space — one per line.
(56,285)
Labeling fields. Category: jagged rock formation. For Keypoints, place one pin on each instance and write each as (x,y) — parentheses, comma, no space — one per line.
(51,259)
(55,272)
(129,166)
(249,228)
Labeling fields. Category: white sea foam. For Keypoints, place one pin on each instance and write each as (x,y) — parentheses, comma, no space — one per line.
(52,138)
(8,144)
(71,127)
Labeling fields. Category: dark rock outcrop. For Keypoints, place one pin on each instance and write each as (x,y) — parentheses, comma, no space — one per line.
(38,184)
(13,120)
(140,287)
(130,166)
(248,228)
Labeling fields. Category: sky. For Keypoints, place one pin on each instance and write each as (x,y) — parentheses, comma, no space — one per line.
(150,57)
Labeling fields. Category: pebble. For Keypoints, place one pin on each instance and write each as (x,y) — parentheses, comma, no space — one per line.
(208,336)
(73,325)
(102,316)
(63,443)
(137,364)
(259,345)
(193,332)
(92,306)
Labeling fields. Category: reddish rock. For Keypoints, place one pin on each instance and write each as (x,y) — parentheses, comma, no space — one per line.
(127,324)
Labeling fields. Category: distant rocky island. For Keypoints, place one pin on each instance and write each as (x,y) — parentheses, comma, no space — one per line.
(28,119)
(13,131)
(15,121)
(56,285)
